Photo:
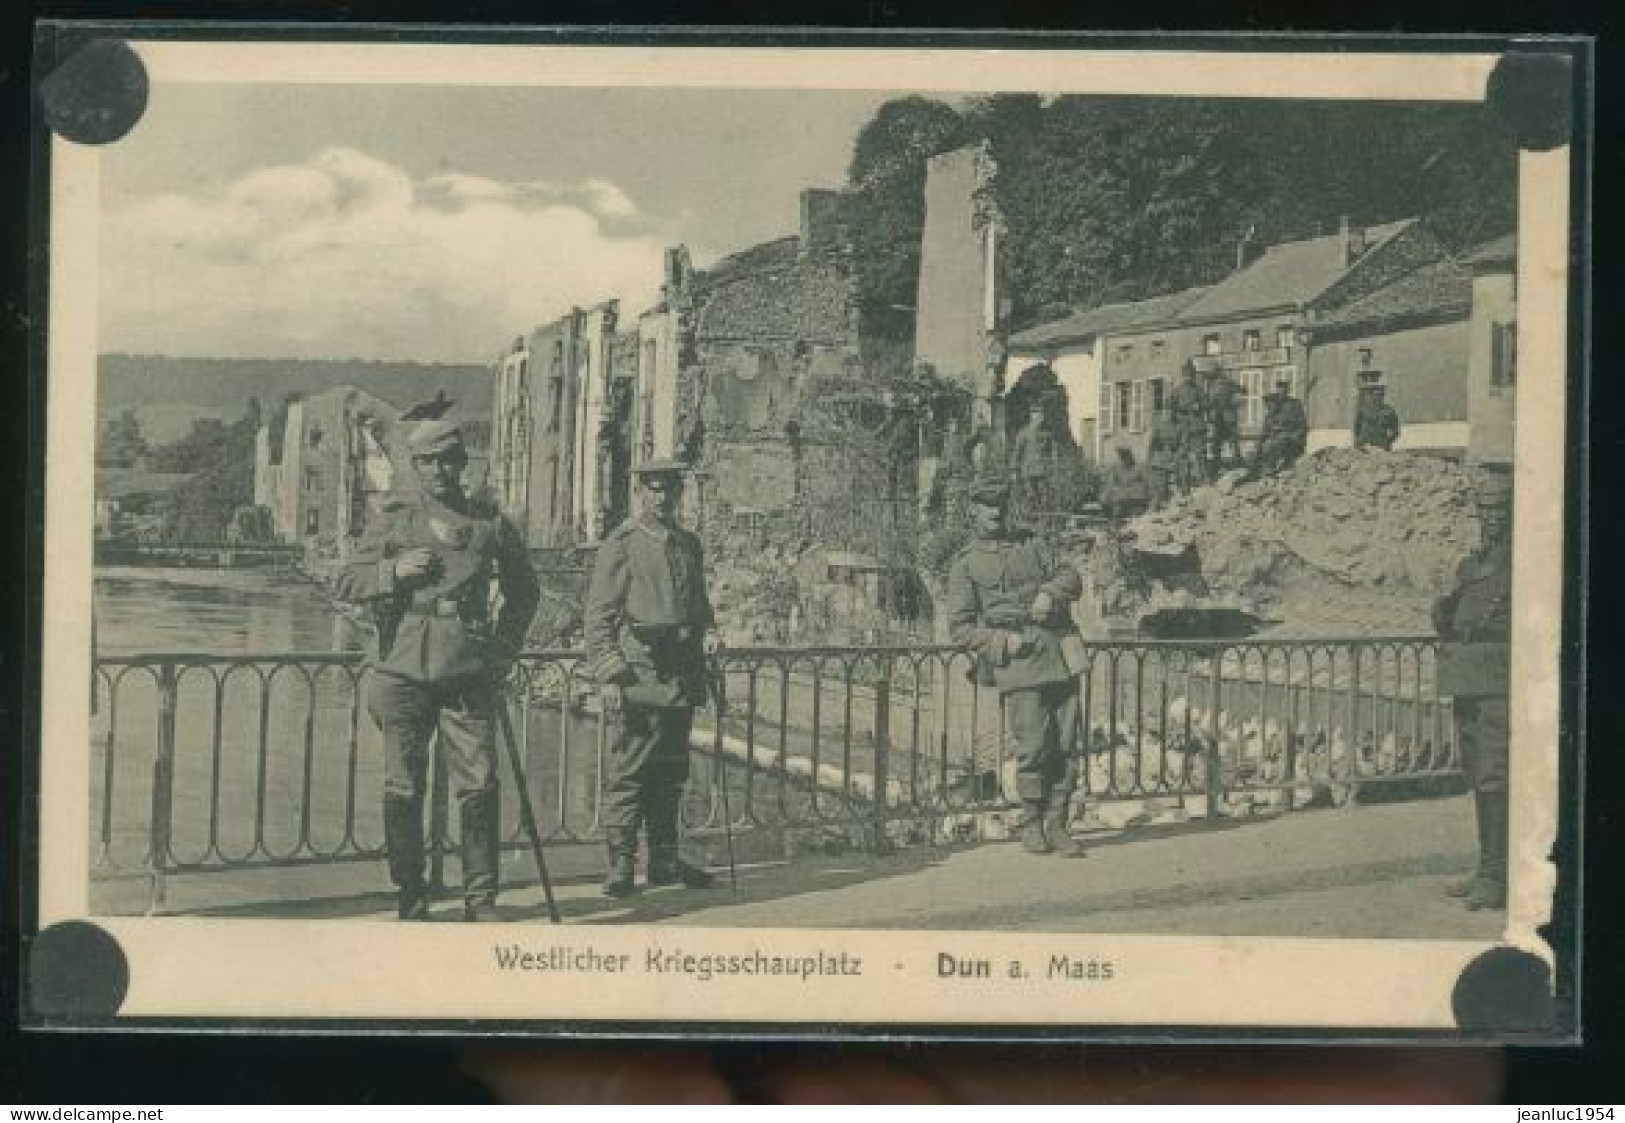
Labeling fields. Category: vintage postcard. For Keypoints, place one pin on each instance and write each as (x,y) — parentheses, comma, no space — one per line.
(1064,538)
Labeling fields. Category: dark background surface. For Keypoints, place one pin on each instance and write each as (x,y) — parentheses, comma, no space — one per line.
(66,1068)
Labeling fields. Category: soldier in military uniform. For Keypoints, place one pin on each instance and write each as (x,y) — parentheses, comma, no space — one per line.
(648,631)
(1187,403)
(1475,623)
(1376,423)
(424,569)
(1009,600)
(1163,455)
(1284,434)
(1223,398)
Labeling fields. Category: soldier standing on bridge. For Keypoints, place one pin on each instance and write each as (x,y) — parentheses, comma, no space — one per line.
(648,628)
(1475,623)
(1009,600)
(424,568)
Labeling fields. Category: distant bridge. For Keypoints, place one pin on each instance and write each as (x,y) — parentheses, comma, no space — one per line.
(216,555)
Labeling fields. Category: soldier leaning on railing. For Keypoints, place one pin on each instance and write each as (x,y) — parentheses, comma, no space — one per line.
(1009,601)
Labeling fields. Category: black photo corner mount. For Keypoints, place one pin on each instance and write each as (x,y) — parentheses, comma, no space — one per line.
(1530,95)
(1505,991)
(97,94)
(78,974)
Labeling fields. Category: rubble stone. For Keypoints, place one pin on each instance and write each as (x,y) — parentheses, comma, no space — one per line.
(1345,540)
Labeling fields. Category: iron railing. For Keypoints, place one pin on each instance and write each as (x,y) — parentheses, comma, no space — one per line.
(210,762)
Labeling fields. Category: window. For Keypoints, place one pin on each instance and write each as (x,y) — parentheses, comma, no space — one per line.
(1503,357)
(1159,350)
(1158,389)
(313,521)
(312,479)
(1252,397)
(1210,344)
(1252,340)
(1285,337)
(1122,405)
(1123,353)
(1137,406)
(1106,408)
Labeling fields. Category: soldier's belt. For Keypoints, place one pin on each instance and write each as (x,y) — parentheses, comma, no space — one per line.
(663,633)
(438,606)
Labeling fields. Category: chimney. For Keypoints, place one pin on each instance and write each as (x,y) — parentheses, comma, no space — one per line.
(1352,239)
(820,221)
(1245,255)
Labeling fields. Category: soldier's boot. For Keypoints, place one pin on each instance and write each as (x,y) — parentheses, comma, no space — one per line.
(1033,839)
(622,844)
(666,865)
(1057,818)
(1490,891)
(479,852)
(1468,885)
(403,842)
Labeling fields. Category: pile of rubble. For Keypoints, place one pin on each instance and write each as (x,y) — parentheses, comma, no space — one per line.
(1355,538)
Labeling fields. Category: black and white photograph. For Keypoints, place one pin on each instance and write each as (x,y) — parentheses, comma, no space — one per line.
(916,535)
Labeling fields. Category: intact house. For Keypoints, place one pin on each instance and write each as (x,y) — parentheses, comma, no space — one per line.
(331,461)
(1257,326)
(1413,332)
(712,374)
(1071,346)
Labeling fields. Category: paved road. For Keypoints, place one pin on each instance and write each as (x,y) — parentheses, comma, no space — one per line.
(1374,871)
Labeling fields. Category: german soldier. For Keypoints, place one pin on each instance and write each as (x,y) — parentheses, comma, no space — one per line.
(1223,398)
(1475,623)
(1376,424)
(424,569)
(1284,434)
(648,632)
(1009,601)
(1188,405)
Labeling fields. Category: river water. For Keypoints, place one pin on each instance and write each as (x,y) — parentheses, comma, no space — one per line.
(215,611)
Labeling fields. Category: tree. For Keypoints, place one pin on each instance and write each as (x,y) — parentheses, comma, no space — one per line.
(120,444)
(1111,198)
(883,214)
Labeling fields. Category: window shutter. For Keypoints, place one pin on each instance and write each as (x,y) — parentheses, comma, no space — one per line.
(1106,405)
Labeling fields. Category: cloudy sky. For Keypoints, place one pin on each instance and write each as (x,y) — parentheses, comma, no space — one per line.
(410,223)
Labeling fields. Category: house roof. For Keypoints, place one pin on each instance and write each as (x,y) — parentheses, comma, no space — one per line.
(1438,289)
(1496,251)
(1289,274)
(1090,322)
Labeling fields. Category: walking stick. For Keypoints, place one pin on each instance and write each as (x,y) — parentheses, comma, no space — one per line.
(527,814)
(719,695)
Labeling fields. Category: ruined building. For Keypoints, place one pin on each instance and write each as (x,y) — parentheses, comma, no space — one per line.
(560,432)
(714,373)
(332,456)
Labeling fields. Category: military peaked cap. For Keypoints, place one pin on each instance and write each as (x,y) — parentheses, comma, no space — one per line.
(438,434)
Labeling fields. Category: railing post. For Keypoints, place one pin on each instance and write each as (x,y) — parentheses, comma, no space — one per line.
(879,807)
(1215,757)
(163,790)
